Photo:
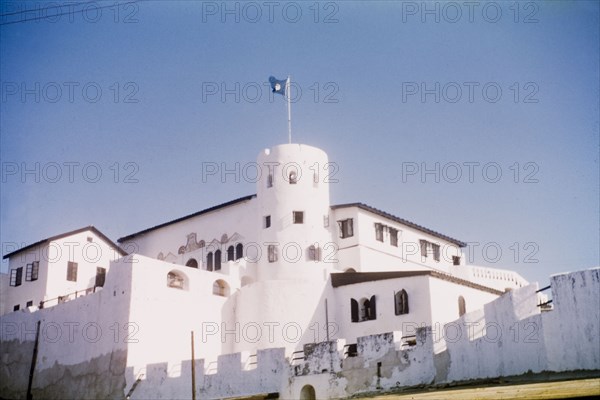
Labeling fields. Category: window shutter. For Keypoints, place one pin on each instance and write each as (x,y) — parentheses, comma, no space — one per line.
(354,310)
(372,308)
(397,303)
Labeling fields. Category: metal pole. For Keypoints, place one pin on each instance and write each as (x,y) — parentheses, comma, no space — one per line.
(193,370)
(33,361)
(287,92)
(326,320)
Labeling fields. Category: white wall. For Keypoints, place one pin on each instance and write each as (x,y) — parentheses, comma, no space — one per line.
(237,221)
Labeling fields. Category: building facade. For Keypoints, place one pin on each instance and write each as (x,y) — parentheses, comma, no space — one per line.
(266,282)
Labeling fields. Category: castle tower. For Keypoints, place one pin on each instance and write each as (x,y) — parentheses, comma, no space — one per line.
(293,203)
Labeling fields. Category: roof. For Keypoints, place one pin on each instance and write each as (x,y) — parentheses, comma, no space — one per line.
(401,221)
(63,235)
(207,210)
(351,278)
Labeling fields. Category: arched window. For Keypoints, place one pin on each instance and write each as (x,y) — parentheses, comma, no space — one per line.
(209,261)
(350,270)
(220,288)
(217,260)
(401,302)
(308,393)
(293,177)
(239,251)
(230,253)
(363,310)
(192,263)
(176,280)
(314,253)
(462,307)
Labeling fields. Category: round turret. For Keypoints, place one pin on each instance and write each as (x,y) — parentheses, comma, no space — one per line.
(293,203)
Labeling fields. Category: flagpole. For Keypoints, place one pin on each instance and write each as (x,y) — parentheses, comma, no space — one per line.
(289,107)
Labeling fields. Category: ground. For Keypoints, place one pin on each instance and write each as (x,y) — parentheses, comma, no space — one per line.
(533,389)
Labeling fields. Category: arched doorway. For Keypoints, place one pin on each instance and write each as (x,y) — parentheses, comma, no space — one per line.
(308,393)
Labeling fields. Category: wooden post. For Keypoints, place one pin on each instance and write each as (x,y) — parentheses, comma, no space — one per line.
(193,370)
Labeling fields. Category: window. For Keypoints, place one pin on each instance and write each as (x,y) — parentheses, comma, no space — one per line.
(298,217)
(455,260)
(430,248)
(16,276)
(423,244)
(353,310)
(393,237)
(220,288)
(239,251)
(230,253)
(175,280)
(346,229)
(293,178)
(72,271)
(31,273)
(267,223)
(314,253)
(217,260)
(363,310)
(270,180)
(209,261)
(436,251)
(272,250)
(192,263)
(326,221)
(462,307)
(401,302)
(17,307)
(90,239)
(379,232)
(100,277)
(29,303)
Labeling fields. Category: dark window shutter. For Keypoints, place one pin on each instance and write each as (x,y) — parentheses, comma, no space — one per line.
(354,310)
(372,308)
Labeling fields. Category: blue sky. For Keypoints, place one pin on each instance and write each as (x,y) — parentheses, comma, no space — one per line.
(389,89)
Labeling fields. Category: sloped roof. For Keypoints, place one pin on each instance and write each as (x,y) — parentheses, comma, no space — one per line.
(206,210)
(348,205)
(66,234)
(399,220)
(351,278)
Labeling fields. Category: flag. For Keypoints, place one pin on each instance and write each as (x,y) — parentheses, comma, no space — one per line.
(278,86)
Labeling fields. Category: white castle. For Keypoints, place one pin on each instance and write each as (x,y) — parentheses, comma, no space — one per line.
(278,294)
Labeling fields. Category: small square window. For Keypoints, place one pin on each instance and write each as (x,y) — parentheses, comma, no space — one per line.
(29,303)
(455,260)
(17,307)
(298,217)
(90,239)
(267,221)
